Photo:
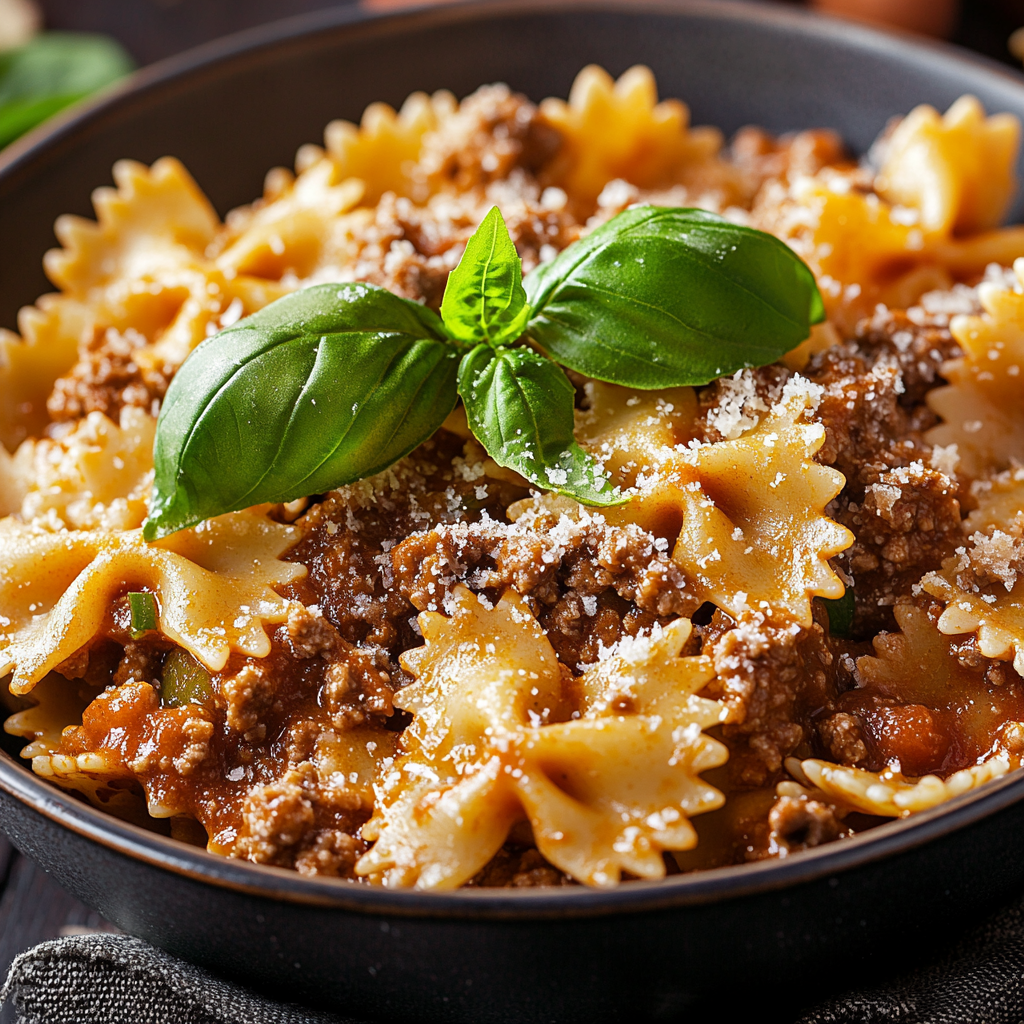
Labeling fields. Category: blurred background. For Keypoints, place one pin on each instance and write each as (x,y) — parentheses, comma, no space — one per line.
(151,29)
(55,52)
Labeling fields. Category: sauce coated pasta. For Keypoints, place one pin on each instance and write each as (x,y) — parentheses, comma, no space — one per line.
(806,619)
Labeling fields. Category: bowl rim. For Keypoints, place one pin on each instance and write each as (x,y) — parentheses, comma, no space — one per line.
(278,884)
(714,885)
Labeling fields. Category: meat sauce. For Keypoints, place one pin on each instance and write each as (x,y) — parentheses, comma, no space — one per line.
(275,759)
(240,763)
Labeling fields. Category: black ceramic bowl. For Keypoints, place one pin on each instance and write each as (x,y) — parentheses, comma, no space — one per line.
(233,109)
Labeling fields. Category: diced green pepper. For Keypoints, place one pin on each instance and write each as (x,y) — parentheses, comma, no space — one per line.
(840,614)
(184,681)
(143,614)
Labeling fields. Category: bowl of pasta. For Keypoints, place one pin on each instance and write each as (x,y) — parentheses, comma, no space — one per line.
(556,547)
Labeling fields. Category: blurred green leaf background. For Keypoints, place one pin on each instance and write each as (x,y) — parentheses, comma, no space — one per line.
(52,71)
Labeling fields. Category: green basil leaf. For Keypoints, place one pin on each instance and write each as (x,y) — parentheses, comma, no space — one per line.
(322,388)
(51,72)
(660,297)
(484,299)
(520,407)
(20,116)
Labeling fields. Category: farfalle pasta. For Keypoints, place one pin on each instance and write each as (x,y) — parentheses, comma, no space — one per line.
(495,735)
(617,130)
(927,218)
(212,587)
(979,583)
(978,407)
(799,614)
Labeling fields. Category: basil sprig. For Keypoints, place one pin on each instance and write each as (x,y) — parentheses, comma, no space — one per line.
(337,382)
(519,404)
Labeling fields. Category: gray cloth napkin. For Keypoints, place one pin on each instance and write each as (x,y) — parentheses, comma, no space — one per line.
(979,981)
(116,979)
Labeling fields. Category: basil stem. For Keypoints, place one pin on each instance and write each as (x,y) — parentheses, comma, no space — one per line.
(659,297)
(484,300)
(319,389)
(520,407)
(142,612)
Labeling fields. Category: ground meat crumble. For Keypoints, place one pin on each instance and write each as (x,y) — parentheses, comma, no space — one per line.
(106,379)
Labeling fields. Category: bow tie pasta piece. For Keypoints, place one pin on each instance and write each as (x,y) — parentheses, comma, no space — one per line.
(14,482)
(610,791)
(916,663)
(50,334)
(1000,504)
(100,778)
(445,806)
(290,232)
(385,146)
(752,529)
(436,833)
(518,679)
(156,217)
(645,675)
(957,707)
(96,476)
(629,431)
(957,168)
(981,407)
(57,706)
(113,773)
(349,757)
(747,515)
(998,623)
(632,434)
(181,307)
(607,795)
(212,584)
(755,535)
(983,583)
(604,793)
(890,794)
(619,130)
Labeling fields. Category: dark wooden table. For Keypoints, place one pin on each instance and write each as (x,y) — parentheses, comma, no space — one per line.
(33,908)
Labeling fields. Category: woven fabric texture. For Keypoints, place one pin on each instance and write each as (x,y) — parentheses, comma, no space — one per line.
(116,979)
(979,981)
